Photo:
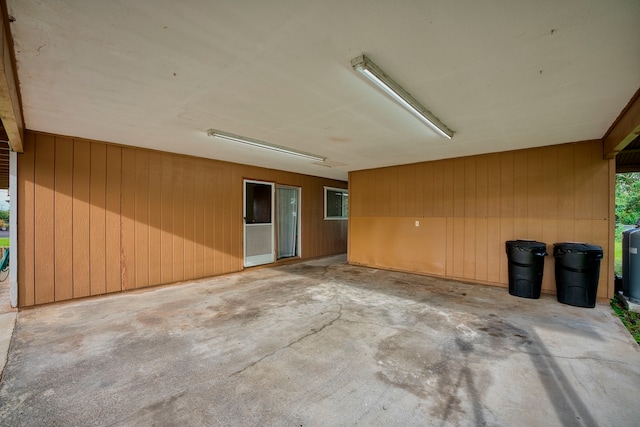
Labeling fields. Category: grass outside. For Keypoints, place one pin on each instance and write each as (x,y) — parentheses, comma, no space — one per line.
(4,242)
(617,253)
(617,260)
(630,319)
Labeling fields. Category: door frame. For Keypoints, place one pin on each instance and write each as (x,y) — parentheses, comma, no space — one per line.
(244,222)
(299,214)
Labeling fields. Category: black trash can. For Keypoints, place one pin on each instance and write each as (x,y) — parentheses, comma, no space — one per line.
(577,272)
(526,264)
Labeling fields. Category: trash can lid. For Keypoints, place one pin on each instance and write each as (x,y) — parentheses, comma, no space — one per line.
(560,249)
(539,248)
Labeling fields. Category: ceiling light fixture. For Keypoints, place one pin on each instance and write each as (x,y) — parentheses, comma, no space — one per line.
(363,65)
(255,143)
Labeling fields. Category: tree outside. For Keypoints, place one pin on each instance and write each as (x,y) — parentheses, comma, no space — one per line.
(627,198)
(627,209)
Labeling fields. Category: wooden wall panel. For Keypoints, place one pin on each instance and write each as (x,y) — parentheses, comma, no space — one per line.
(97,218)
(189,218)
(402,193)
(480,252)
(600,177)
(44,199)
(155,218)
(550,194)
(481,196)
(507,182)
(494,197)
(63,226)
(520,183)
(437,169)
(218,213)
(199,227)
(470,186)
(565,183)
(113,269)
(166,220)
(459,199)
(210,221)
(495,250)
(141,203)
(236,225)
(80,219)
(550,176)
(458,247)
(26,223)
(535,201)
(424,202)
(469,251)
(226,213)
(178,219)
(583,184)
(128,209)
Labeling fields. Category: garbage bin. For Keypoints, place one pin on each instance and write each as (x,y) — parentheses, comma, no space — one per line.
(626,245)
(526,264)
(634,267)
(577,271)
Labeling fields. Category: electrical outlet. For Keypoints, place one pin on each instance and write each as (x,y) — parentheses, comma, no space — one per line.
(417,223)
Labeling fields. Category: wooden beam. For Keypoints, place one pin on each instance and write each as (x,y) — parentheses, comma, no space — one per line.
(625,129)
(629,168)
(10,106)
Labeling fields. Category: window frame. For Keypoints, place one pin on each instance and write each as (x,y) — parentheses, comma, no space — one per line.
(335,218)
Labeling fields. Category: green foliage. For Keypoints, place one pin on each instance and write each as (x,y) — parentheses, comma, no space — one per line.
(627,197)
(4,215)
(617,260)
(630,319)
(4,242)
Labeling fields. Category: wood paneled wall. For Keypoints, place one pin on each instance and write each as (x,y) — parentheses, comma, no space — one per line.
(96,218)
(468,207)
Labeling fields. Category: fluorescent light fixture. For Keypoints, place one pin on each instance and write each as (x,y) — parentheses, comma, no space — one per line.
(255,143)
(363,65)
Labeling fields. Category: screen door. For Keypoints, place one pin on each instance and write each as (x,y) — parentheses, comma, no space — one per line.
(287,212)
(258,223)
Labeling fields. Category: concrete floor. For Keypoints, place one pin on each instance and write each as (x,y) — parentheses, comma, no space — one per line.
(320,343)
(7,322)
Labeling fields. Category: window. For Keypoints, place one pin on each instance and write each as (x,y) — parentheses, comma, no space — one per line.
(336,203)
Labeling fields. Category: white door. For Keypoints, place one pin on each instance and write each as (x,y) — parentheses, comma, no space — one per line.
(258,223)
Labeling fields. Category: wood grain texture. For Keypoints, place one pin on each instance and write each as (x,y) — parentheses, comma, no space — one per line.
(81,217)
(128,227)
(166,220)
(550,194)
(112,219)
(26,223)
(141,203)
(63,226)
(44,226)
(155,218)
(199,226)
(97,219)
(189,218)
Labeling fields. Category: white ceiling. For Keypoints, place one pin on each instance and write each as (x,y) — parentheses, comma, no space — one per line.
(502,74)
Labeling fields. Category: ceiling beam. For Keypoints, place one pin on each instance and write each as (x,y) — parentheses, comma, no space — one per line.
(10,106)
(631,167)
(624,130)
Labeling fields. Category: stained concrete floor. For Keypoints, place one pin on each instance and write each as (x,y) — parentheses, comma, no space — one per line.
(320,343)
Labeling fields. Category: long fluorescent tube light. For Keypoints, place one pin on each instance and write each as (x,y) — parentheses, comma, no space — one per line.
(363,65)
(255,143)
